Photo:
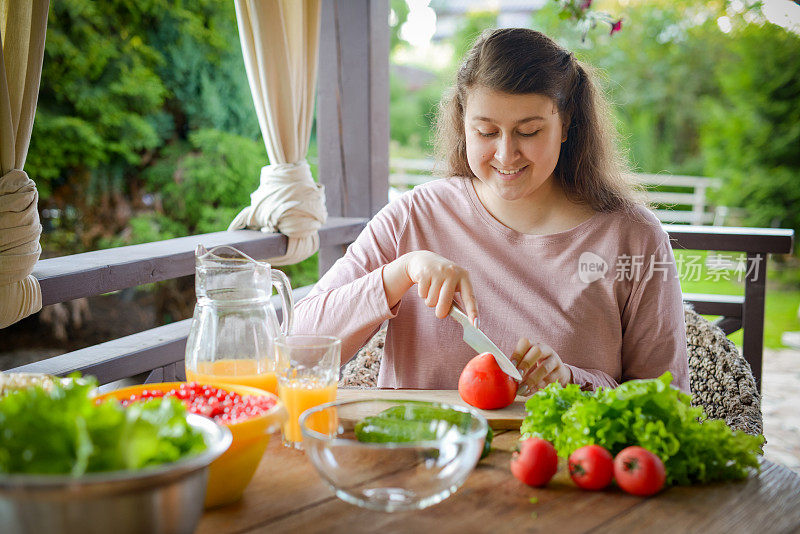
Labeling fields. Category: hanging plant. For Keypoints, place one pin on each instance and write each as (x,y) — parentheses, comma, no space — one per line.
(587,18)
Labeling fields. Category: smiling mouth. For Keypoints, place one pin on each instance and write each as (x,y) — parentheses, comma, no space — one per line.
(510,173)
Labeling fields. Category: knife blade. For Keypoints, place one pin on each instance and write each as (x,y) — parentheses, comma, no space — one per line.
(479,341)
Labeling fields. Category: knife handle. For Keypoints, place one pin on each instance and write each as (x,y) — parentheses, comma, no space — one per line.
(459,315)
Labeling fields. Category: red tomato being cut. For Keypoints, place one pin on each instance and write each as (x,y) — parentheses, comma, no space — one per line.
(591,467)
(639,471)
(535,463)
(484,385)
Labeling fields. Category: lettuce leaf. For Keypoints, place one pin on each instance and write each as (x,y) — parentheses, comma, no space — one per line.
(650,413)
(64,431)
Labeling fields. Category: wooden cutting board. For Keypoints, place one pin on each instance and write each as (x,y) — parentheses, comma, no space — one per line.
(508,418)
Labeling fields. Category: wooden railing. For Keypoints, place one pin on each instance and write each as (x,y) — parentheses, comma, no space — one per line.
(160,351)
(407,173)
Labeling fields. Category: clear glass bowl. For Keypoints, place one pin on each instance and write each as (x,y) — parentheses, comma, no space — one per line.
(390,476)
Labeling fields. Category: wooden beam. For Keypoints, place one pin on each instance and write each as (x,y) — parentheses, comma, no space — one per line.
(353,111)
(730,238)
(102,271)
(725,305)
(151,350)
(729,325)
(120,358)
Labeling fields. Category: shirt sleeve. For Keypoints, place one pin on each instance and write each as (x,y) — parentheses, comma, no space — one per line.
(590,379)
(654,328)
(349,300)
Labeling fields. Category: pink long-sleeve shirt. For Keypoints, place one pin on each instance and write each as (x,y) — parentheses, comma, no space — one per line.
(608,325)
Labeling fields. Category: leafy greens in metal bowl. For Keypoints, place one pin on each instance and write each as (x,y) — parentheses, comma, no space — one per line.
(62,430)
(72,464)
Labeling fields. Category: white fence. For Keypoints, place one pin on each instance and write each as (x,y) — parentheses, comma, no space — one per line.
(689,206)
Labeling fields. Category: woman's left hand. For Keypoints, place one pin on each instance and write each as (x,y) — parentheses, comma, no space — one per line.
(539,366)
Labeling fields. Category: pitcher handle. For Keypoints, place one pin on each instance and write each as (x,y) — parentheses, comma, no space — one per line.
(284,287)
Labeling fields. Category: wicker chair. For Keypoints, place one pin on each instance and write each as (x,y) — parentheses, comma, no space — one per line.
(720,378)
(362,371)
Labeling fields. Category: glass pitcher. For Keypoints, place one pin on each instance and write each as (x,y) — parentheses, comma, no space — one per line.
(234,326)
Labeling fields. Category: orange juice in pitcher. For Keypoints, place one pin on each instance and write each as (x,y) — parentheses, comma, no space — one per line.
(235,326)
(236,371)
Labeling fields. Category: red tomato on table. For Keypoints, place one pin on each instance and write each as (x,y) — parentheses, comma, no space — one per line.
(535,463)
(484,385)
(639,471)
(591,467)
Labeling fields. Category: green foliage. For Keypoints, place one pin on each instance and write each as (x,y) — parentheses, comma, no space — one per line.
(305,273)
(469,29)
(752,132)
(200,185)
(649,413)
(412,113)
(782,298)
(656,75)
(401,10)
(128,89)
(99,90)
(692,99)
(203,69)
(587,18)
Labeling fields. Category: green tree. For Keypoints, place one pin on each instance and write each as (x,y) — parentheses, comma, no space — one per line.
(200,185)
(469,29)
(656,72)
(693,99)
(411,113)
(203,70)
(752,134)
(121,81)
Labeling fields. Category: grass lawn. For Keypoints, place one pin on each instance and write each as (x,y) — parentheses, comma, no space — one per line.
(781,302)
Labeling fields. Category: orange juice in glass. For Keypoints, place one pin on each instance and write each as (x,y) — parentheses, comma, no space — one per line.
(239,371)
(298,396)
(308,374)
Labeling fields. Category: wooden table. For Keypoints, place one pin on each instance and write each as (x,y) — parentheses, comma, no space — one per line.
(287,495)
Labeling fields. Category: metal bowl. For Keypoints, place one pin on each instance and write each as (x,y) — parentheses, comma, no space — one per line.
(163,499)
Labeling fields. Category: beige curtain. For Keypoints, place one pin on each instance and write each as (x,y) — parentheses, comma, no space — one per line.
(279,43)
(23,24)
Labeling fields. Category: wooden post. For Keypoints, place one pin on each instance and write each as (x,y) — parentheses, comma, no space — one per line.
(353,110)
(753,313)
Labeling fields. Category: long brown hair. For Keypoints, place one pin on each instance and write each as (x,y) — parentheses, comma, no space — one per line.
(590,168)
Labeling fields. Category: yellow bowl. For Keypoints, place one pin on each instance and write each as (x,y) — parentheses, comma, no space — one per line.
(229,474)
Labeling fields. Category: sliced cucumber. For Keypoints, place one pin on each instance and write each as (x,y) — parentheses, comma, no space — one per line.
(404,423)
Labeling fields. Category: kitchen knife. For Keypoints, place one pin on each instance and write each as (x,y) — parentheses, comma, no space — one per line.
(476,339)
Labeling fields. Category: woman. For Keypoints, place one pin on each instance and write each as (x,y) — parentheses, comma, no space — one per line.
(535,232)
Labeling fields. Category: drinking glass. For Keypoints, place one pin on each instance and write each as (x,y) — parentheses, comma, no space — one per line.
(308,374)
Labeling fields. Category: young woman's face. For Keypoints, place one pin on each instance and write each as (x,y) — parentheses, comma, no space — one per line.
(513,141)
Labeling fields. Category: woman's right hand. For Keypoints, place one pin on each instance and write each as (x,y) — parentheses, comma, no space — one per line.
(437,278)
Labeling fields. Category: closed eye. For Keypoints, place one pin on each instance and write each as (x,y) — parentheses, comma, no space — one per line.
(488,134)
(530,134)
